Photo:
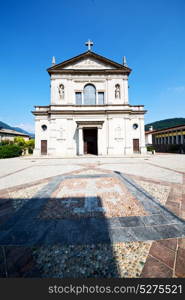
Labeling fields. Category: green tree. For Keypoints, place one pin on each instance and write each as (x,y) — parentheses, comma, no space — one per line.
(8,151)
(20,141)
(30,145)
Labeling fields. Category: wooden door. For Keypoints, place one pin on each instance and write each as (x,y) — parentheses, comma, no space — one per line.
(136,145)
(44,147)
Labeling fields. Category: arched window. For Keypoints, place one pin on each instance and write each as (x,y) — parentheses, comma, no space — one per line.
(89,95)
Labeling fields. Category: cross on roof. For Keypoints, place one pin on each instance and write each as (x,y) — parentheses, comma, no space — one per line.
(89,43)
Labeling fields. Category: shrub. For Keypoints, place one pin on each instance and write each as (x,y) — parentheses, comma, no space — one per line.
(150,148)
(25,145)
(8,151)
(30,150)
(20,141)
(30,145)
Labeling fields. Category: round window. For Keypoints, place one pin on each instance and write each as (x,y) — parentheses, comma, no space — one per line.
(44,127)
(135,126)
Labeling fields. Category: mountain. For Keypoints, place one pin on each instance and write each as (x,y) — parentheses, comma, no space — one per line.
(6,126)
(162,124)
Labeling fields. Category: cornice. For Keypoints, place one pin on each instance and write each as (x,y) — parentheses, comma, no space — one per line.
(90,71)
(87,112)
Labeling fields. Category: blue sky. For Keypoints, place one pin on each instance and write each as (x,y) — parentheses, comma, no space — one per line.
(150,33)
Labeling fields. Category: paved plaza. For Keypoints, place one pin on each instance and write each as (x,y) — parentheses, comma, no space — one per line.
(93,217)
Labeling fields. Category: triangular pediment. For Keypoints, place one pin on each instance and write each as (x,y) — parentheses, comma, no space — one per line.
(88,61)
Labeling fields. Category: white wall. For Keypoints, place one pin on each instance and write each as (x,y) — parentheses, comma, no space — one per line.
(76,83)
(114,138)
(148,138)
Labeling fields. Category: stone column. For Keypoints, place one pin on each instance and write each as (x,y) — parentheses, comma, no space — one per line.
(128,137)
(37,149)
(53,91)
(110,143)
(99,141)
(80,138)
(52,140)
(179,137)
(125,86)
(70,144)
(168,138)
(106,93)
(182,138)
(142,137)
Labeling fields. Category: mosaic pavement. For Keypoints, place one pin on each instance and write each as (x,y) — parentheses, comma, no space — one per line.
(92,223)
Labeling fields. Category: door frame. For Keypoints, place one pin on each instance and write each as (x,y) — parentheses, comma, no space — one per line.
(96,142)
(137,146)
(44,143)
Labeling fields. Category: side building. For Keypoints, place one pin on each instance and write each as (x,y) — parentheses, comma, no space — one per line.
(8,134)
(171,139)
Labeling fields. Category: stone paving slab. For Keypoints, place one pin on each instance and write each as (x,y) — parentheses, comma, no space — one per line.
(25,228)
(101,197)
(148,171)
(154,219)
(35,168)
(151,204)
(162,228)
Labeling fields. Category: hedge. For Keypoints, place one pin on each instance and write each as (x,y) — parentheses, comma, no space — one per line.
(150,148)
(8,151)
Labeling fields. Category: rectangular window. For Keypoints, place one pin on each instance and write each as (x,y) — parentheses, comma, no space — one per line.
(100,98)
(78,96)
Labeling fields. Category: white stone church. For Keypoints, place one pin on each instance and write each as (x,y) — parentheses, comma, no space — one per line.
(89,113)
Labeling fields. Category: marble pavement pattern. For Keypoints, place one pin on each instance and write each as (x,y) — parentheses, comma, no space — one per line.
(93,222)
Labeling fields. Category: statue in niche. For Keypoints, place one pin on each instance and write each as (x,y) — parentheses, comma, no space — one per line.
(117,91)
(61,91)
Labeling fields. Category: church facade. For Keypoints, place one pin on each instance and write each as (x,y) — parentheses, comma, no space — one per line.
(89,112)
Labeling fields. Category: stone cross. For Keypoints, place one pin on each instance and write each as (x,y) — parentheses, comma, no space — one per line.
(89,43)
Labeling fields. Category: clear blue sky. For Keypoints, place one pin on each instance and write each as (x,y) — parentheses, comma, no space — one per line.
(151,33)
